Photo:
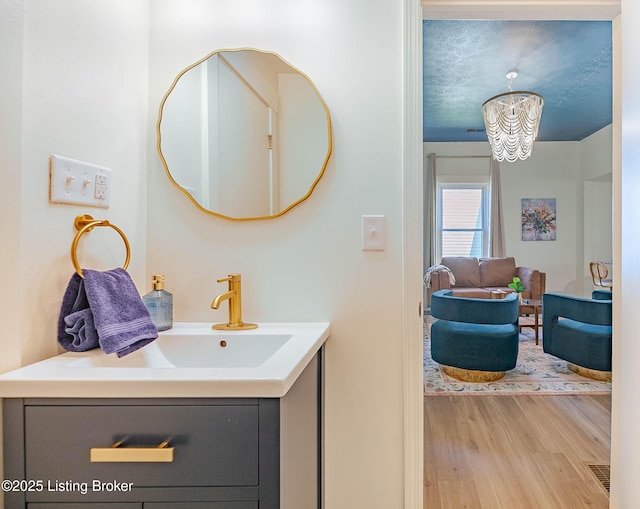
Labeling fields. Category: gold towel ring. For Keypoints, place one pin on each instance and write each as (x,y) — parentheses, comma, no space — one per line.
(85,223)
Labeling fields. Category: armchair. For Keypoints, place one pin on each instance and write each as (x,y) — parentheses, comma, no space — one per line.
(474,339)
(578,330)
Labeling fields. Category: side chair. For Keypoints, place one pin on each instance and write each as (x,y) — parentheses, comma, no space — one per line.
(578,330)
(600,275)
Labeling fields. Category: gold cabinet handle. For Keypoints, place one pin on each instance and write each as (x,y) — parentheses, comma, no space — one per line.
(161,453)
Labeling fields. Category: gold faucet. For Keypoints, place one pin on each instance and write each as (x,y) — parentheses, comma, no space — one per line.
(234,296)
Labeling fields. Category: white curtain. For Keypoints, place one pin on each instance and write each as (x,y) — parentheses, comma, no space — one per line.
(496,248)
(430,212)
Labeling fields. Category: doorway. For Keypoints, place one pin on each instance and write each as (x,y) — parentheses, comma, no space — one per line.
(413,203)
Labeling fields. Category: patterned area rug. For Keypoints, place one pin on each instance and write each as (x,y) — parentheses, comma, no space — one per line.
(535,373)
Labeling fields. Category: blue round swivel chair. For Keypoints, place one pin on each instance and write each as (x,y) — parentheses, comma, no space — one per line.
(474,340)
(578,330)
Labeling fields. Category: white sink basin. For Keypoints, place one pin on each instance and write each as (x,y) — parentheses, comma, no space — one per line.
(190,360)
(195,349)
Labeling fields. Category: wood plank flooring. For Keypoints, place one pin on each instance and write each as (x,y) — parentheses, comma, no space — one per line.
(515,452)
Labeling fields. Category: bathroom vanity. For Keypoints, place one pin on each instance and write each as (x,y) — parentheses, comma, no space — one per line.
(150,437)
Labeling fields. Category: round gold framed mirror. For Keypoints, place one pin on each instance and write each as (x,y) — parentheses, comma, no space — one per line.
(244,134)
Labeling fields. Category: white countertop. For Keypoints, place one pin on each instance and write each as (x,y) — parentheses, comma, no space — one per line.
(98,375)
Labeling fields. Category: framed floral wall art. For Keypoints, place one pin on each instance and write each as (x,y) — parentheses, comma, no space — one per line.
(538,219)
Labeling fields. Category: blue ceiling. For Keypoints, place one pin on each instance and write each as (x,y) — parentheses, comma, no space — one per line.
(465,62)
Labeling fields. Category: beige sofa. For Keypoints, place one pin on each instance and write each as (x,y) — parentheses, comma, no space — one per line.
(478,278)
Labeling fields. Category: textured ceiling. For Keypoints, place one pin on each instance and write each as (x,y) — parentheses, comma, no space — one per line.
(567,62)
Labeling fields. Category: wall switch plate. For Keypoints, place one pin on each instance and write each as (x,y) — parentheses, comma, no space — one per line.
(374,233)
(78,183)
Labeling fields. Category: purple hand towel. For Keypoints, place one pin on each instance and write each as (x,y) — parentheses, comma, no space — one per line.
(76,331)
(119,318)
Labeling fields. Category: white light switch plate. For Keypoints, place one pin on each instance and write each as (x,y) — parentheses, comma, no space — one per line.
(79,183)
(374,233)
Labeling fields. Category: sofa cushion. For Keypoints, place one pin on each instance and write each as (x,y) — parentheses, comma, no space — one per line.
(496,271)
(465,269)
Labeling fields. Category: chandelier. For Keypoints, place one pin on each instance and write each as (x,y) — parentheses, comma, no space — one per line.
(512,120)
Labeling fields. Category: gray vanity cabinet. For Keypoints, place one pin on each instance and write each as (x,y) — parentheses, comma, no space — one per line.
(214,444)
(89,505)
(161,505)
(228,453)
(225,453)
(202,505)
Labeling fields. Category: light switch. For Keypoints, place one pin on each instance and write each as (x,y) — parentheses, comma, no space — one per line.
(374,233)
(76,182)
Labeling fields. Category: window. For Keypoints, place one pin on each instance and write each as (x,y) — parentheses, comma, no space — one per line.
(463,225)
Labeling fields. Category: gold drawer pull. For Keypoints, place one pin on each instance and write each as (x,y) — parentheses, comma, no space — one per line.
(162,453)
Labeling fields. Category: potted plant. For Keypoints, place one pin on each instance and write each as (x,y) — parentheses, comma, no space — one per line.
(518,287)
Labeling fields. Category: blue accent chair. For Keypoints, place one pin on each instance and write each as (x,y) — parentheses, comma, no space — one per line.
(474,335)
(578,330)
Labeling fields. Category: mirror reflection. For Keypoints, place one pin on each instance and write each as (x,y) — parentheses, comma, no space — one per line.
(244,134)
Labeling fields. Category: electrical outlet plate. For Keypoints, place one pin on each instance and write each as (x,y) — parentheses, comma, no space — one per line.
(78,183)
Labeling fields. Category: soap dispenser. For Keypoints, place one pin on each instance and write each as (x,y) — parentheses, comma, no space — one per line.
(159,302)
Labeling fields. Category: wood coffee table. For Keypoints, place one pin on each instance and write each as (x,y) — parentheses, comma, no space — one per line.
(530,307)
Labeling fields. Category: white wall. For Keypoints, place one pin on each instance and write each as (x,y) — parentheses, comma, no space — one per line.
(73,76)
(84,91)
(307,264)
(68,90)
(596,170)
(596,154)
(11,44)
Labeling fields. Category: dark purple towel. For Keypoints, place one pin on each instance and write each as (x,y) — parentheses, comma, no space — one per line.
(76,331)
(104,309)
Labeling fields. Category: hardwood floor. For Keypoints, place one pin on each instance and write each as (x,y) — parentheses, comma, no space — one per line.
(515,452)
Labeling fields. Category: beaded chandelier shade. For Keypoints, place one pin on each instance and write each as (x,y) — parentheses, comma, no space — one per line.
(512,120)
